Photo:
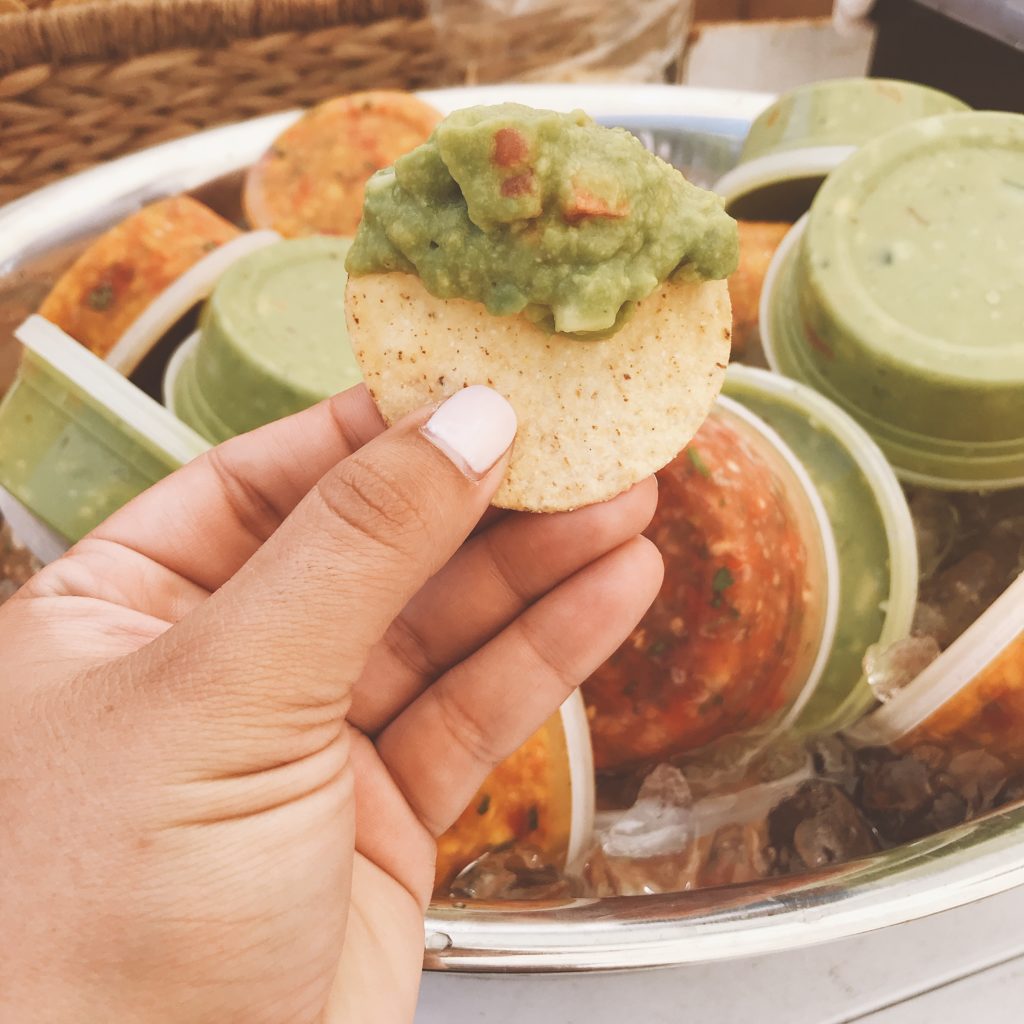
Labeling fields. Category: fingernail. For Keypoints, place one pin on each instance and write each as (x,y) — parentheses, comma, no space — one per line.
(474,428)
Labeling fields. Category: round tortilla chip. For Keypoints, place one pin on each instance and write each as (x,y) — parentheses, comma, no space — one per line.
(595,417)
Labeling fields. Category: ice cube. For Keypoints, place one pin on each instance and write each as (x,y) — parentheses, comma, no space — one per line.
(833,759)
(737,853)
(511,873)
(660,822)
(905,797)
(963,591)
(628,876)
(890,668)
(1011,793)
(977,776)
(902,785)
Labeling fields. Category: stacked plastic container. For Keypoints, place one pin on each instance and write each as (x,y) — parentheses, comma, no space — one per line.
(896,304)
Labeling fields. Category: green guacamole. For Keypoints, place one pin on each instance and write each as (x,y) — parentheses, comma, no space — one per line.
(546,214)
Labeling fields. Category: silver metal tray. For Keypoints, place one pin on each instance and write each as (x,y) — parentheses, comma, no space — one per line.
(699,131)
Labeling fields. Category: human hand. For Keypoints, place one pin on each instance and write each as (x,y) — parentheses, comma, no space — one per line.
(238,714)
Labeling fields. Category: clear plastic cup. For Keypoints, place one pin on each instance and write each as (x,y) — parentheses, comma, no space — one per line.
(972,694)
(543,795)
(794,144)
(878,570)
(899,297)
(78,440)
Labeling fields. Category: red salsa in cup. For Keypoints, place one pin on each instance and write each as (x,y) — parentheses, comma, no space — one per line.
(527,798)
(716,651)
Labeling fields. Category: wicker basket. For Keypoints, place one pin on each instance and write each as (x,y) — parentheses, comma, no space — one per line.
(88,80)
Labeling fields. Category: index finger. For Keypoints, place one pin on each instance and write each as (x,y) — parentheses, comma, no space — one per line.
(205,521)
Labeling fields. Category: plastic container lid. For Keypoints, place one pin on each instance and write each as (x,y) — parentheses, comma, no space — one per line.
(179,297)
(273,339)
(172,371)
(900,298)
(974,689)
(878,570)
(78,440)
(182,396)
(550,780)
(806,133)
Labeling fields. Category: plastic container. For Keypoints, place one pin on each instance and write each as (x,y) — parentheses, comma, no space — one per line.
(167,308)
(311,179)
(972,693)
(874,533)
(542,795)
(182,396)
(124,270)
(745,621)
(794,144)
(78,440)
(899,297)
(272,340)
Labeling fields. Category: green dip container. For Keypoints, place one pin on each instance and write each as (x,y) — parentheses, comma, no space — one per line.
(272,340)
(874,533)
(804,134)
(901,298)
(78,440)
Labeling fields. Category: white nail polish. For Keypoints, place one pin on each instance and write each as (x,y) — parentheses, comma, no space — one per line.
(474,428)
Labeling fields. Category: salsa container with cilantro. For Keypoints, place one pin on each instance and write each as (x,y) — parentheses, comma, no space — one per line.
(971,696)
(543,795)
(124,270)
(745,620)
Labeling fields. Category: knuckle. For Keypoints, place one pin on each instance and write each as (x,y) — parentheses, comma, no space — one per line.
(373,501)
(548,651)
(407,645)
(509,572)
(250,507)
(463,729)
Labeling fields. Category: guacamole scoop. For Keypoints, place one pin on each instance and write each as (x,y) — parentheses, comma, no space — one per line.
(543,214)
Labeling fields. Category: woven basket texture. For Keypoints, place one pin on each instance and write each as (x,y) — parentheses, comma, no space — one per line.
(88,80)
(84,83)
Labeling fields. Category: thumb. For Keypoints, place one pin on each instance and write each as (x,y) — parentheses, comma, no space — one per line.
(292,629)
